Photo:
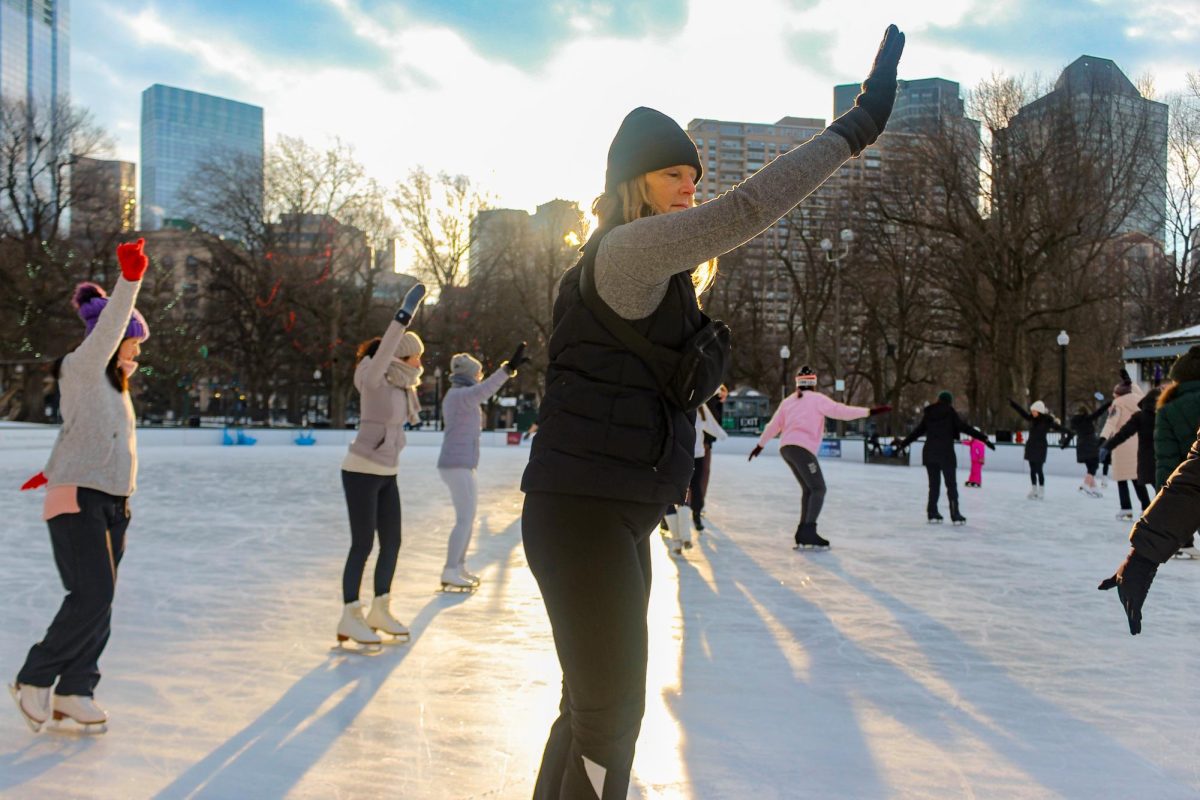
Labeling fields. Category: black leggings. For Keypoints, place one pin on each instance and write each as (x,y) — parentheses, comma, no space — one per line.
(937,474)
(374,505)
(1092,464)
(591,559)
(87,550)
(699,484)
(1123,493)
(1036,476)
(812,483)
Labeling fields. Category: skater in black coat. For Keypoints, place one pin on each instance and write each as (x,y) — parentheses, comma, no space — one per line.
(1041,422)
(1165,526)
(1087,444)
(941,426)
(1141,424)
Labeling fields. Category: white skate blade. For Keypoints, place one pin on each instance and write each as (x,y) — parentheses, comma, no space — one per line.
(933,522)
(33,724)
(66,724)
(810,547)
(959,522)
(351,647)
(450,588)
(395,638)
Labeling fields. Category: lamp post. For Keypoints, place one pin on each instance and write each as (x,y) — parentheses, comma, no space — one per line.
(784,354)
(437,398)
(1063,341)
(839,385)
(317,388)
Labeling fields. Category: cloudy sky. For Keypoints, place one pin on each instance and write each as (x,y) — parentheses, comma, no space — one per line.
(524,96)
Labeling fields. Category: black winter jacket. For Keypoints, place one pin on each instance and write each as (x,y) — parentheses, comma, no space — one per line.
(1174,515)
(1141,424)
(1087,443)
(941,426)
(1039,426)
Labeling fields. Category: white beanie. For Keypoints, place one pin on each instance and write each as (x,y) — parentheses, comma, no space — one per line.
(465,364)
(410,345)
(1039,407)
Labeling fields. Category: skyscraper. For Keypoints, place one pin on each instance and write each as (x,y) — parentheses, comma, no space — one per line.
(181,132)
(105,197)
(1096,120)
(35,50)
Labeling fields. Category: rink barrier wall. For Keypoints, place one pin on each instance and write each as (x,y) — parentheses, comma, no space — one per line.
(1006,457)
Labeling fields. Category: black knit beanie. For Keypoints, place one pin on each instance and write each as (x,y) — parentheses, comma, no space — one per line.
(1187,366)
(648,140)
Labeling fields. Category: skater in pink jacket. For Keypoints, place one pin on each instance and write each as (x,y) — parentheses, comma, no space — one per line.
(800,421)
(978,448)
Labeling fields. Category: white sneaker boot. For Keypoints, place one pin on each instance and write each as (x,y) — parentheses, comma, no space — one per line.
(33,702)
(380,618)
(1041,493)
(454,581)
(1033,493)
(82,709)
(680,525)
(354,628)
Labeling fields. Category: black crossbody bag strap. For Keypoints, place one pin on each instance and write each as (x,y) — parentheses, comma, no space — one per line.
(653,355)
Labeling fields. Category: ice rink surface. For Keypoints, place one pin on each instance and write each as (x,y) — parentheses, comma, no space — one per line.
(910,661)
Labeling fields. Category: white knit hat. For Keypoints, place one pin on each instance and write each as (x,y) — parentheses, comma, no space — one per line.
(1039,407)
(410,345)
(465,364)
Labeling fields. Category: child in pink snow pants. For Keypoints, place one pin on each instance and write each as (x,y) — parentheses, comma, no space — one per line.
(977,450)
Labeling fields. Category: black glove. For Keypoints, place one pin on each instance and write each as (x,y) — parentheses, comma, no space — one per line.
(754,453)
(1132,580)
(415,295)
(516,360)
(990,446)
(1103,454)
(880,410)
(877,97)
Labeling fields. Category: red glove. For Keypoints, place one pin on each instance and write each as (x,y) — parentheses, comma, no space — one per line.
(880,410)
(36,482)
(132,260)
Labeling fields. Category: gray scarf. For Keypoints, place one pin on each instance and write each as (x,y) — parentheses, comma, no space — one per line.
(459,379)
(407,378)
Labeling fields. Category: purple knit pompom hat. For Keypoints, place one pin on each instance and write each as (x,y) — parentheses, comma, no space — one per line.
(90,299)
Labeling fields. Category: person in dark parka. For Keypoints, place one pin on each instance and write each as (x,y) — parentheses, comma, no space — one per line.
(1178,415)
(1164,527)
(1041,422)
(1141,424)
(941,426)
(1087,444)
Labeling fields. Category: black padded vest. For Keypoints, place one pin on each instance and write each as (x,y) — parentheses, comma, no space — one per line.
(604,428)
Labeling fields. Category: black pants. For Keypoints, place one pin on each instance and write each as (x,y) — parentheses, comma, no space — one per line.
(1036,476)
(87,549)
(938,473)
(1123,492)
(374,505)
(1092,464)
(812,483)
(699,484)
(591,559)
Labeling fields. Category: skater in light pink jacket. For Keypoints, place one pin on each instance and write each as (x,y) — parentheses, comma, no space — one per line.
(800,421)
(978,448)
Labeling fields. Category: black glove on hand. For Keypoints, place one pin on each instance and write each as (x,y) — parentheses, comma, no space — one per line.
(754,453)
(1103,454)
(877,97)
(413,299)
(877,410)
(1132,580)
(516,360)
(990,446)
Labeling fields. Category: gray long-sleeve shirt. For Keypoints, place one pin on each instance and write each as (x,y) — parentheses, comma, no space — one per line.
(636,260)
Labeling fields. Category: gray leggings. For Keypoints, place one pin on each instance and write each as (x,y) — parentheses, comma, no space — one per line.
(812,483)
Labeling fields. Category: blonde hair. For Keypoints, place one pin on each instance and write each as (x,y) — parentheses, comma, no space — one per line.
(632,201)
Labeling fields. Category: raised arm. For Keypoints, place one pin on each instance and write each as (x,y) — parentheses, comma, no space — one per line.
(375,371)
(1101,411)
(487,387)
(106,337)
(635,260)
(1028,417)
(973,432)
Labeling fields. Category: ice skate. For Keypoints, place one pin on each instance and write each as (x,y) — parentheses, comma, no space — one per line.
(456,582)
(1090,491)
(697,523)
(1124,514)
(473,578)
(807,537)
(33,702)
(353,628)
(82,710)
(1033,494)
(934,517)
(1041,493)
(681,530)
(381,620)
(956,517)
(1188,553)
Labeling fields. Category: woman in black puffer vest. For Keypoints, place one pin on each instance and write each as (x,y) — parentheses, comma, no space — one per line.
(612,452)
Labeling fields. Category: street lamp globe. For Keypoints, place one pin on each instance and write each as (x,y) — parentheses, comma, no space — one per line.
(316,374)
(1063,339)
(785,353)
(847,235)
(826,245)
